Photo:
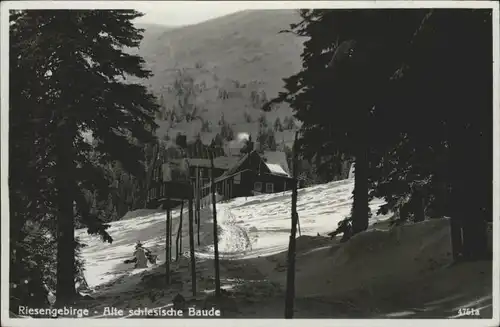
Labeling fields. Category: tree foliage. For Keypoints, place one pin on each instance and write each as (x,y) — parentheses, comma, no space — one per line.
(266,139)
(384,87)
(68,74)
(186,91)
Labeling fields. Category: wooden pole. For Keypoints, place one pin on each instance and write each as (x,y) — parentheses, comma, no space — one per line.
(298,220)
(178,241)
(170,233)
(196,174)
(216,238)
(198,214)
(191,245)
(167,245)
(231,185)
(290,277)
(223,190)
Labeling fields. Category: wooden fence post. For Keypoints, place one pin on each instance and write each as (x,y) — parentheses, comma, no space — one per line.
(191,246)
(197,203)
(178,240)
(167,244)
(216,238)
(290,277)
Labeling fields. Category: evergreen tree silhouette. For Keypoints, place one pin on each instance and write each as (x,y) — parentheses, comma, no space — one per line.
(64,69)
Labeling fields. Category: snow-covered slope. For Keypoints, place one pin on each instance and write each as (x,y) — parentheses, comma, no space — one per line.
(253,226)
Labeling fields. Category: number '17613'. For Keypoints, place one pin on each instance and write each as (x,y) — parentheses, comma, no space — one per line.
(468,312)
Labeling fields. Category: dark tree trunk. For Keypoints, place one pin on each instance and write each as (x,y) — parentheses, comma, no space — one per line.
(446,202)
(403,213)
(458,205)
(360,202)
(290,277)
(65,289)
(475,238)
(471,194)
(480,194)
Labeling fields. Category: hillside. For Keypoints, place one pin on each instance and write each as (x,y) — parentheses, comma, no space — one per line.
(235,62)
(153,31)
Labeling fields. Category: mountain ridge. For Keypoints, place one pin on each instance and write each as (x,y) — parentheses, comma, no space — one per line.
(235,63)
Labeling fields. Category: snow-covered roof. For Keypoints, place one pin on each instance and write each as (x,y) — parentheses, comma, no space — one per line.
(277,158)
(276,169)
(275,161)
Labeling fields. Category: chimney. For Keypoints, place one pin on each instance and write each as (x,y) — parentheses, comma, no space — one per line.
(256,146)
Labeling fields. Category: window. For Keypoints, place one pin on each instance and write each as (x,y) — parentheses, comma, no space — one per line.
(269,188)
(237,179)
(257,186)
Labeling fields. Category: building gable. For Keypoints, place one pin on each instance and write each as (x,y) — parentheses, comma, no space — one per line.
(252,161)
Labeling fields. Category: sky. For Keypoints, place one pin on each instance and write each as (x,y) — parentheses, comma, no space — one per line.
(179,13)
(185,13)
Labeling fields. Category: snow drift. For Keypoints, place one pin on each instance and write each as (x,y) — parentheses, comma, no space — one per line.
(379,256)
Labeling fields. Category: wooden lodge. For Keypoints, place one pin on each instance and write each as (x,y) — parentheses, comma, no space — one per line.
(170,178)
(203,167)
(174,180)
(169,184)
(252,175)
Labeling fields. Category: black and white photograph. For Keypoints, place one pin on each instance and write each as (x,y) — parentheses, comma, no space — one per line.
(250,162)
